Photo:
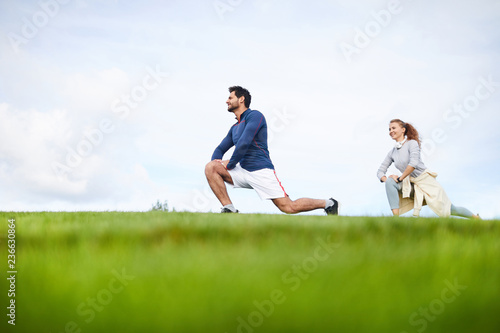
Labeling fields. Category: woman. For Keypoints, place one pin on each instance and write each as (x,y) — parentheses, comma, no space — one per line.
(415,181)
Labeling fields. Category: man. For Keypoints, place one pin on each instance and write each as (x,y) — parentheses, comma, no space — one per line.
(250,165)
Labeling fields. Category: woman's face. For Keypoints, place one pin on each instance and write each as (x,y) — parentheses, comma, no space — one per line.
(396,131)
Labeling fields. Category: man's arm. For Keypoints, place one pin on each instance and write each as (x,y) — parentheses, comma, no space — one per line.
(252,126)
(224,146)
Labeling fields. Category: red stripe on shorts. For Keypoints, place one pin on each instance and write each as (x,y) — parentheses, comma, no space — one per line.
(280,183)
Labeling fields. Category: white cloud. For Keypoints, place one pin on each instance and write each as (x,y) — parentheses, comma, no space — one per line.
(27,145)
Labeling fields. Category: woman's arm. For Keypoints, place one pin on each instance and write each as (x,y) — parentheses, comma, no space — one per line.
(409,169)
(384,166)
(414,149)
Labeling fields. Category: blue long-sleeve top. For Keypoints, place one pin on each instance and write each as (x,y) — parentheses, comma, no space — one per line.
(249,136)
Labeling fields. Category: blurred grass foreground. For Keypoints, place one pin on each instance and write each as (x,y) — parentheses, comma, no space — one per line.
(188,272)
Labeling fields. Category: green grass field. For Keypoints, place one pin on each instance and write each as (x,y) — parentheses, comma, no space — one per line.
(186,272)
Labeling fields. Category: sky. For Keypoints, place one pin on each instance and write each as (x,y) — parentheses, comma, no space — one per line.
(112,105)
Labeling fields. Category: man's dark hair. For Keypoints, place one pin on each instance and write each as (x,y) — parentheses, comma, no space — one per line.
(239,91)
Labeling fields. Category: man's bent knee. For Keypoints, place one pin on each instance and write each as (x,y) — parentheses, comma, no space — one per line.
(212,167)
(209,168)
(216,168)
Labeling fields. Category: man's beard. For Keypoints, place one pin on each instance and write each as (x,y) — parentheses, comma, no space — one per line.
(231,108)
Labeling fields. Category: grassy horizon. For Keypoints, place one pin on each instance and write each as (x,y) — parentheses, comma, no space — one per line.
(199,272)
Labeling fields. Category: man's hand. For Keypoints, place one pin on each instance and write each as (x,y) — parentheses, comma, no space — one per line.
(224,163)
(394,177)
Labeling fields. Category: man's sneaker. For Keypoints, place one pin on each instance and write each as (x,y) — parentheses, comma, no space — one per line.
(333,209)
(227,210)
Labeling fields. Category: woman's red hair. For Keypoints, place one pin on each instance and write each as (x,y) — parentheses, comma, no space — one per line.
(410,131)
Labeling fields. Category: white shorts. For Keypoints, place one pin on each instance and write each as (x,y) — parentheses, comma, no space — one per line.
(264,181)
